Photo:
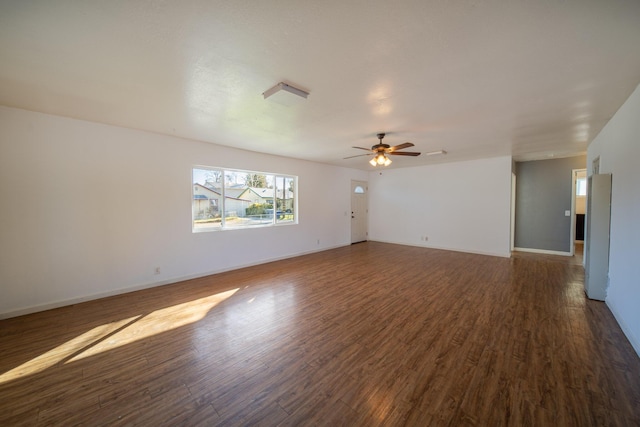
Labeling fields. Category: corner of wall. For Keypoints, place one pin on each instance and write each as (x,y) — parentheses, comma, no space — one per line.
(633,339)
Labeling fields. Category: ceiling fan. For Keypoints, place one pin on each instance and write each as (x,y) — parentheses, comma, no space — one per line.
(380,151)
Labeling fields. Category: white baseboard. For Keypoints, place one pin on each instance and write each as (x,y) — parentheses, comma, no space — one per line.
(543,251)
(466,251)
(141,286)
(635,342)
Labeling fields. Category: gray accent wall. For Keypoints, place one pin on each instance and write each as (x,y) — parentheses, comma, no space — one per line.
(543,193)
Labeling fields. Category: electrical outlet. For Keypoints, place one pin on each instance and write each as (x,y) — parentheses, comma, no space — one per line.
(318,241)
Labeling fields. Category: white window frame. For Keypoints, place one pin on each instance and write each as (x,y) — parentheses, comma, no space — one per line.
(581,184)
(277,217)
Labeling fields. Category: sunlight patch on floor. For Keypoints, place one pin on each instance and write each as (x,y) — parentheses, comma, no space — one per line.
(117,334)
(64,351)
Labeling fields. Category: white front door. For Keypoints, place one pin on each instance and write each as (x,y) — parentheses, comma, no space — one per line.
(359,211)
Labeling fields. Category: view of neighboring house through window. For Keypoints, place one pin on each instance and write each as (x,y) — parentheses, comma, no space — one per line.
(227,199)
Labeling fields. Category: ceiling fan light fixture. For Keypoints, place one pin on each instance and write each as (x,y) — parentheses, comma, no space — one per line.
(381,152)
(380,159)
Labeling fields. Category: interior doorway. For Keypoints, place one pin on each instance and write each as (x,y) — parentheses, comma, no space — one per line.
(513,212)
(359,211)
(578,210)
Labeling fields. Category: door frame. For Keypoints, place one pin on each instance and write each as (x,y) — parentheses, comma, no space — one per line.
(572,234)
(513,212)
(365,185)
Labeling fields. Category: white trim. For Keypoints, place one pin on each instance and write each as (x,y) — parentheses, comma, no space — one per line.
(635,342)
(513,211)
(572,231)
(141,286)
(440,248)
(543,251)
(365,218)
(574,182)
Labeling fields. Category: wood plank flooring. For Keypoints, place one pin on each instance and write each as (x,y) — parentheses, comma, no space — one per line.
(367,335)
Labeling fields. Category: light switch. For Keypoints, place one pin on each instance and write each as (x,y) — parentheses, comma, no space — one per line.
(567,213)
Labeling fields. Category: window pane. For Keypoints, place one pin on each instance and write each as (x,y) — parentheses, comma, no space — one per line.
(248,199)
(227,199)
(285,199)
(206,206)
(581,187)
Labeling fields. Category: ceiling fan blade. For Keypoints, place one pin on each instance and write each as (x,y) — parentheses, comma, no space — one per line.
(400,146)
(403,153)
(358,155)
(361,148)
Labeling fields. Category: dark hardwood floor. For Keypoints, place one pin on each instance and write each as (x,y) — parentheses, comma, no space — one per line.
(367,335)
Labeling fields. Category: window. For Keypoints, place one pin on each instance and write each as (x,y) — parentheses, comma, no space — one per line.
(230,199)
(284,195)
(581,186)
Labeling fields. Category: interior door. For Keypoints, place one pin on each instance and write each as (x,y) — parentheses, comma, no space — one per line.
(359,211)
(596,267)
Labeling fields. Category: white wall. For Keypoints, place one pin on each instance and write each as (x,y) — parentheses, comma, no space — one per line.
(581,204)
(618,146)
(463,206)
(89,210)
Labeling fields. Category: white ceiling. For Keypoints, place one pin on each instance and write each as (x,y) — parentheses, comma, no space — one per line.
(477,78)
